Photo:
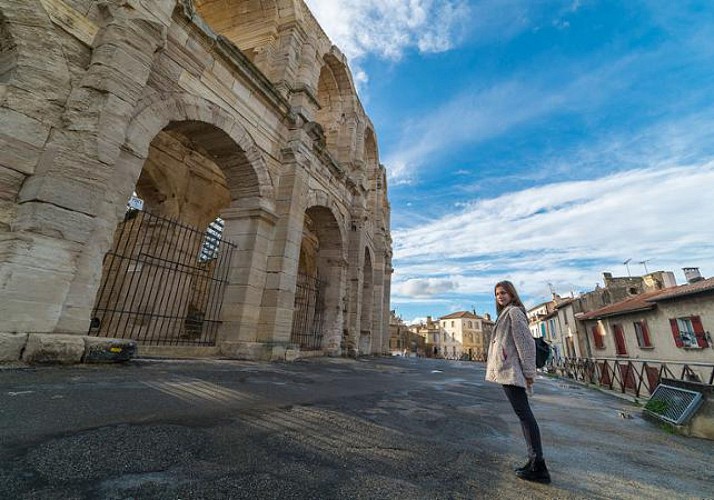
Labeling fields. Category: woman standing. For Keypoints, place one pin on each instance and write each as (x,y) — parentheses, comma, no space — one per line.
(511,363)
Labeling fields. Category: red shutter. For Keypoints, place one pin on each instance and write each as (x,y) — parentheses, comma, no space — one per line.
(620,346)
(699,331)
(675,332)
(597,338)
(645,334)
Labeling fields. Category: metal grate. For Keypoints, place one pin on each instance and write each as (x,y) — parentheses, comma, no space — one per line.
(307,313)
(673,404)
(162,283)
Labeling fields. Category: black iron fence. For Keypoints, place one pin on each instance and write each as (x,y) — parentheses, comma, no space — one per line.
(162,283)
(639,377)
(307,313)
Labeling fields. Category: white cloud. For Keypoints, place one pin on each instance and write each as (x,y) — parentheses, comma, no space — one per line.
(387,28)
(429,287)
(564,233)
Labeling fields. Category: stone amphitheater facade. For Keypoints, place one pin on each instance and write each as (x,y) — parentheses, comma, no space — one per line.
(240,111)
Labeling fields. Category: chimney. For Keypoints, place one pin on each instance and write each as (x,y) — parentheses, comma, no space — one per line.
(692,274)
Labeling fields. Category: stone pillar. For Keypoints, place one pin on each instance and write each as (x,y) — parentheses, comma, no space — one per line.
(385,305)
(285,59)
(67,199)
(251,225)
(354,287)
(276,314)
(380,330)
(334,267)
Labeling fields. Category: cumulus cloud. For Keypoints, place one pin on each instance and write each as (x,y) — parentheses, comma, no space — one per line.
(564,233)
(387,28)
(422,288)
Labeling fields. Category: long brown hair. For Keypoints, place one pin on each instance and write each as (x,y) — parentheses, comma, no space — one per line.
(511,289)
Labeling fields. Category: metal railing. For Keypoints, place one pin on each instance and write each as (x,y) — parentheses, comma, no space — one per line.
(160,285)
(307,314)
(639,377)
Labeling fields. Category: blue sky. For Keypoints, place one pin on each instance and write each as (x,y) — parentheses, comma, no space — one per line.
(544,142)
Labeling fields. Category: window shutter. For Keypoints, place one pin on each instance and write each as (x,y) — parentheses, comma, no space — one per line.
(699,331)
(597,338)
(645,334)
(675,332)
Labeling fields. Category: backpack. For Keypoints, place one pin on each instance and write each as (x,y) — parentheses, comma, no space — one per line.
(542,352)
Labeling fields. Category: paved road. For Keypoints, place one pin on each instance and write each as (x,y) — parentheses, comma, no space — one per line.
(328,428)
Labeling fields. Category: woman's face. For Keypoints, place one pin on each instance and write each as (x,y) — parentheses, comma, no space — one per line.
(503,298)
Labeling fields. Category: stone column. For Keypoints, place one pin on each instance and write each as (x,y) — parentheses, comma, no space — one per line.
(335,294)
(278,299)
(64,209)
(355,270)
(251,225)
(385,305)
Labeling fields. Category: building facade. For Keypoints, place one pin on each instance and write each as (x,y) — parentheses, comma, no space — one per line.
(672,325)
(235,109)
(465,335)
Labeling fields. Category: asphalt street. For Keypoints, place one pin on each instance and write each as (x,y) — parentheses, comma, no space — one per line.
(322,429)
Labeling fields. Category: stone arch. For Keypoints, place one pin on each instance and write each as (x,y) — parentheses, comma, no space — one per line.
(254,26)
(336,96)
(318,312)
(190,114)
(191,162)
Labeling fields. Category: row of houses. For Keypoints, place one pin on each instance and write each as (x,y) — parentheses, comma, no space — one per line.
(643,318)
(459,335)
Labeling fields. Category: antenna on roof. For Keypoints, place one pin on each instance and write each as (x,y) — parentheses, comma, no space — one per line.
(644,263)
(627,265)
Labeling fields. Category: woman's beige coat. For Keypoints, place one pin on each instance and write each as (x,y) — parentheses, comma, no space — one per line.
(511,354)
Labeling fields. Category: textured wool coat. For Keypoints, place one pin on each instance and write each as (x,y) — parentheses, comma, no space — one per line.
(511,354)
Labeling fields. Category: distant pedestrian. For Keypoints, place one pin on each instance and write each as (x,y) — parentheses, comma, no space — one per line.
(511,363)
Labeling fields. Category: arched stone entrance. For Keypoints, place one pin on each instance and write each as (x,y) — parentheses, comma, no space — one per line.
(195,170)
(318,315)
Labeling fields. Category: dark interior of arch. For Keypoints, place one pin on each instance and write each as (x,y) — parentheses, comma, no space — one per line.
(326,228)
(241,178)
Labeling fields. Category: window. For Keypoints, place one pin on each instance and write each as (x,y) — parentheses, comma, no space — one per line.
(688,332)
(553,331)
(452,323)
(597,337)
(620,345)
(470,325)
(642,334)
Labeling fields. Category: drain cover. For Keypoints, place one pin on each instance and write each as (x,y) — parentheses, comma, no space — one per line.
(673,404)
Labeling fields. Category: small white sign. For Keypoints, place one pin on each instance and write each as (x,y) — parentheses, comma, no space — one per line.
(136,203)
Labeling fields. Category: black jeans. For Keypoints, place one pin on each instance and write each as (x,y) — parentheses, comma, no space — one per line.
(519,401)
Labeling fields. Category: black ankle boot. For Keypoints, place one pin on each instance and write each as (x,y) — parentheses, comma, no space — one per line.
(524,467)
(537,472)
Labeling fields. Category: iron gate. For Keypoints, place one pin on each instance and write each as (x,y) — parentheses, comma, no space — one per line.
(162,282)
(307,313)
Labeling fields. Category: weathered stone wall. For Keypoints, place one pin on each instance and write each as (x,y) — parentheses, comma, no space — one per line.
(238,108)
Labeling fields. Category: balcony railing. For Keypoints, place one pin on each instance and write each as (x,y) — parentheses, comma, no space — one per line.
(638,377)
